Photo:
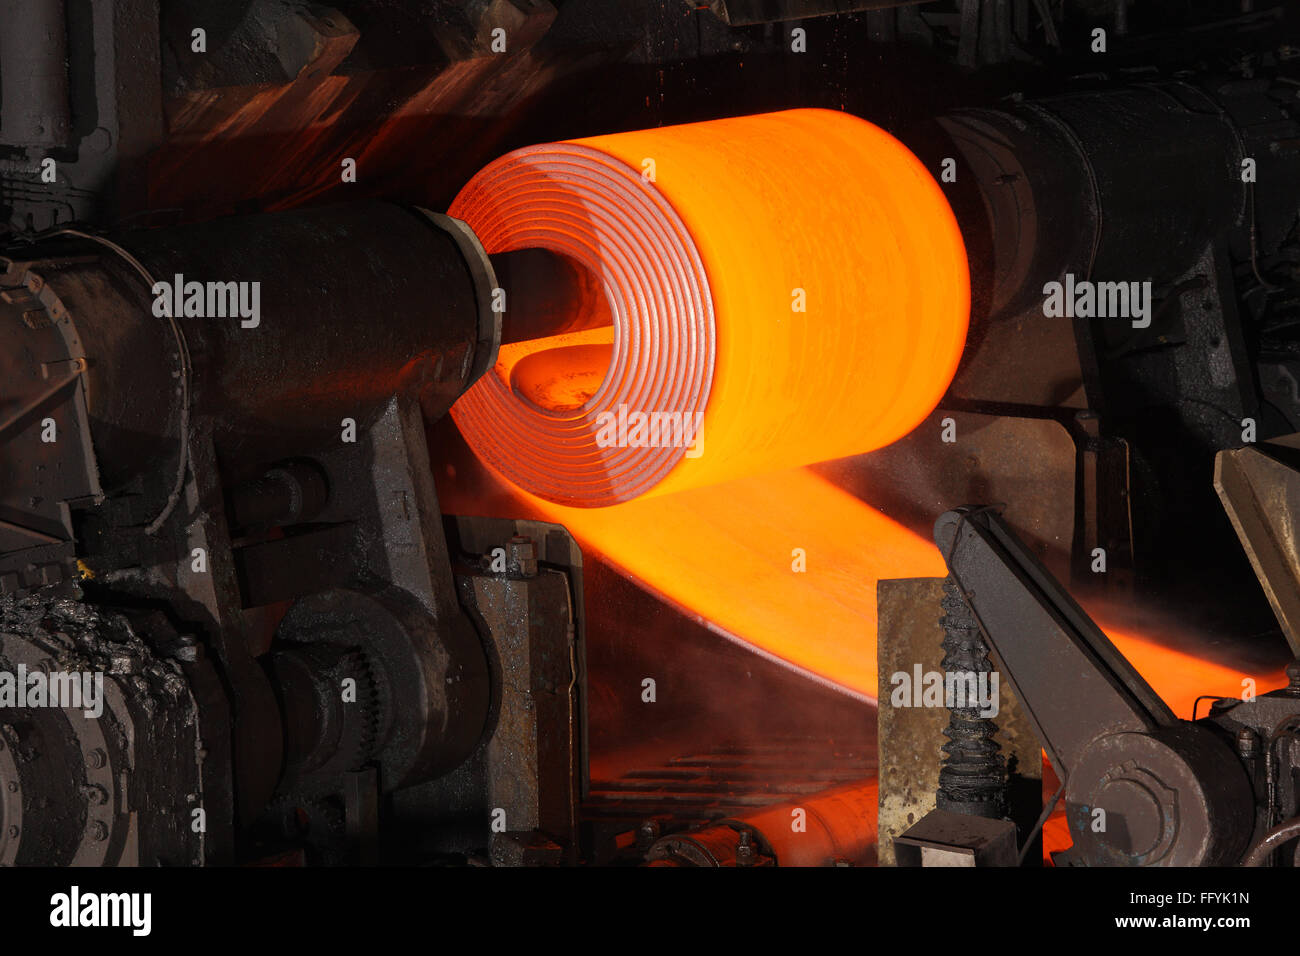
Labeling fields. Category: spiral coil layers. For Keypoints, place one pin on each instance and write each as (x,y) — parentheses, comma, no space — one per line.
(784,289)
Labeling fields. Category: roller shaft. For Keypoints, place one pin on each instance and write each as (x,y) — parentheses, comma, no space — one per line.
(547,294)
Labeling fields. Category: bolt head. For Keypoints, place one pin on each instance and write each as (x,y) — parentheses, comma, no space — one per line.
(523,554)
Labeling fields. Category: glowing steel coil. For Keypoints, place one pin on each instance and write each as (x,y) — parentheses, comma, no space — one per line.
(699,268)
(707,239)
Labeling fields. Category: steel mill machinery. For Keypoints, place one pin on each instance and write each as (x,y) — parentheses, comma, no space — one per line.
(553,432)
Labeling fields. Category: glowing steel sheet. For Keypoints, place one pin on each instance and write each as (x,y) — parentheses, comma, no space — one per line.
(1180,677)
(723,554)
(706,265)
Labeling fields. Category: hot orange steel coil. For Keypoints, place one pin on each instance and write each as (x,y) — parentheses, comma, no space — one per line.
(698,268)
(706,239)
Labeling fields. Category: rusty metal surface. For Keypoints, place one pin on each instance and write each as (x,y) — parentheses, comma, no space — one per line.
(907,633)
(1260,490)
(524,775)
(531,759)
(114,788)
(909,738)
(42,366)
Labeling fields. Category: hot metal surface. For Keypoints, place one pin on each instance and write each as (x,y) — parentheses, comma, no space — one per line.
(729,554)
(706,237)
(724,554)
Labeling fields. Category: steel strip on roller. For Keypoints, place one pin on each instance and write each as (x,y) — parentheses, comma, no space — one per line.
(701,264)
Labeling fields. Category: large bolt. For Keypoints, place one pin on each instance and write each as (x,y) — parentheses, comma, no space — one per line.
(646,834)
(1247,743)
(1293,678)
(523,555)
(746,854)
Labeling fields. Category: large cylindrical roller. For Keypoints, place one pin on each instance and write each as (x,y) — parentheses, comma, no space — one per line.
(782,289)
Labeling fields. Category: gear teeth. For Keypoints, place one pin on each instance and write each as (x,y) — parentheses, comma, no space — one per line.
(363,712)
(355,664)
